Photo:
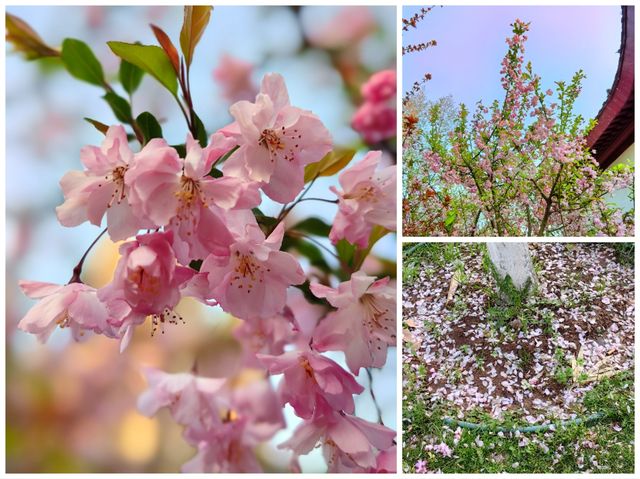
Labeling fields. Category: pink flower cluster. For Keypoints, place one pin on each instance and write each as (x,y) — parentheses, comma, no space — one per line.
(224,423)
(197,207)
(375,120)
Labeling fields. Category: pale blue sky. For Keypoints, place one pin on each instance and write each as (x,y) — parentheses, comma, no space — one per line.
(471,44)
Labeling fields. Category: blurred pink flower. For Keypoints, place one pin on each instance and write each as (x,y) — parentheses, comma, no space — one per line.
(101,188)
(258,402)
(73,305)
(348,442)
(190,399)
(224,451)
(276,141)
(251,281)
(350,25)
(266,336)
(368,198)
(375,120)
(250,414)
(146,282)
(234,77)
(311,380)
(380,87)
(364,323)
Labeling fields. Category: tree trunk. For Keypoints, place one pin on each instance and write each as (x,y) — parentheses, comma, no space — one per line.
(513,260)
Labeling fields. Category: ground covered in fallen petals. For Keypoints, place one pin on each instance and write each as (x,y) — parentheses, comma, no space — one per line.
(467,355)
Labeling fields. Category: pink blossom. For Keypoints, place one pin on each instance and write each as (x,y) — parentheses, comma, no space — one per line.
(101,188)
(368,198)
(443,449)
(457,435)
(178,193)
(364,324)
(380,87)
(386,461)
(234,77)
(259,403)
(346,28)
(73,305)
(250,414)
(268,336)
(421,467)
(310,378)
(224,451)
(276,141)
(146,282)
(251,281)
(190,399)
(348,442)
(375,121)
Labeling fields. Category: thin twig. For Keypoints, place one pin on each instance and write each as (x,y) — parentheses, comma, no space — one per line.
(373,396)
(75,278)
(318,199)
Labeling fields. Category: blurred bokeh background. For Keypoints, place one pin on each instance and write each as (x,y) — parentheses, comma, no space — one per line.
(70,407)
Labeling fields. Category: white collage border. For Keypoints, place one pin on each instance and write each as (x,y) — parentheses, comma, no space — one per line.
(400,237)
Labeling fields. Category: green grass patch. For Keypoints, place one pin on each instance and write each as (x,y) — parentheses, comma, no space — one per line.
(605,446)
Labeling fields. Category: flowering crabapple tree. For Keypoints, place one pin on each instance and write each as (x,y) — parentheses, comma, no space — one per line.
(190,223)
(518,167)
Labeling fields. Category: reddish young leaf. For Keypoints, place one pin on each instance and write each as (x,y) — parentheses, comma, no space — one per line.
(167,46)
(196,19)
(26,40)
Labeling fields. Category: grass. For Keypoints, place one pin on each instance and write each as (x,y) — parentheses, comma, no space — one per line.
(576,448)
(415,255)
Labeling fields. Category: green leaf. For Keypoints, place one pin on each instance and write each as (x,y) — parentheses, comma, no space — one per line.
(308,250)
(314,226)
(332,162)
(345,251)
(449,220)
(101,127)
(377,232)
(195,21)
(181,149)
(130,76)
(196,264)
(222,159)
(151,59)
(215,172)
(81,62)
(149,126)
(309,296)
(120,106)
(267,223)
(200,130)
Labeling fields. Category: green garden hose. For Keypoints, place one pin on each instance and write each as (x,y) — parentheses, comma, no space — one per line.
(412,249)
(542,428)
